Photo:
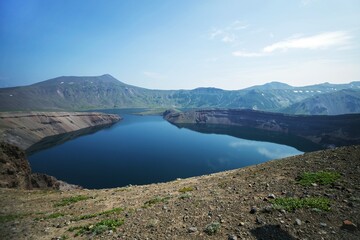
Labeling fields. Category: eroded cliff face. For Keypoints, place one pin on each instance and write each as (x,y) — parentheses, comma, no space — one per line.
(326,131)
(27,128)
(15,172)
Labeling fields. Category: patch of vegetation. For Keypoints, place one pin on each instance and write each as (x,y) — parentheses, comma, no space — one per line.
(186,189)
(98,228)
(155,200)
(71,200)
(212,228)
(291,204)
(152,223)
(185,195)
(223,184)
(321,177)
(108,212)
(123,189)
(10,217)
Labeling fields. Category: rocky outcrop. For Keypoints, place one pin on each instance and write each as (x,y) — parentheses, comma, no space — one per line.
(14,168)
(15,172)
(27,128)
(325,131)
(21,131)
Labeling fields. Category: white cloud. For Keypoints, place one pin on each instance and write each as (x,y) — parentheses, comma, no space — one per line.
(228,38)
(339,39)
(154,75)
(248,54)
(237,25)
(228,34)
(320,41)
(215,32)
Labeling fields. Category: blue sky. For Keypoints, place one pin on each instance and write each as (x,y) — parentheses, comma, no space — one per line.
(181,44)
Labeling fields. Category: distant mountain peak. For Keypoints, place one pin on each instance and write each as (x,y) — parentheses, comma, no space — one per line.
(271,86)
(106,78)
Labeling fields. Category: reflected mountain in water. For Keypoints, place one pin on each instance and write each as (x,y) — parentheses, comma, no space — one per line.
(306,133)
(299,143)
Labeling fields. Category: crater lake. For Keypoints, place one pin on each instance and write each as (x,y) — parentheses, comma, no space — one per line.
(148,149)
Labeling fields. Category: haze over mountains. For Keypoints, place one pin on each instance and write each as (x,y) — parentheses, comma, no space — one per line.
(100,92)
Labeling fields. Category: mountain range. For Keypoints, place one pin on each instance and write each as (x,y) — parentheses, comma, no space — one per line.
(105,92)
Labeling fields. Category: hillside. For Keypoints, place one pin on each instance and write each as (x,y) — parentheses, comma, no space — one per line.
(104,92)
(273,200)
(321,131)
(24,129)
(340,102)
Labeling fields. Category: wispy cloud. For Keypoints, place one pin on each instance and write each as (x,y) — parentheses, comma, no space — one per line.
(228,34)
(338,39)
(319,41)
(248,54)
(154,75)
(306,2)
(229,38)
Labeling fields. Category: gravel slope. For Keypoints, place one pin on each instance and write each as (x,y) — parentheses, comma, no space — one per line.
(237,203)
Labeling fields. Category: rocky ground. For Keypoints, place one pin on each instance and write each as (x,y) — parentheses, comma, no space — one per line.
(266,201)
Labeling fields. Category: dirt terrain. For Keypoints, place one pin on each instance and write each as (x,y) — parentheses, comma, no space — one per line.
(24,129)
(272,200)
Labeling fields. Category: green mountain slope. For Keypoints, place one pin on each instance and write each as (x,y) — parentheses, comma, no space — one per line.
(339,102)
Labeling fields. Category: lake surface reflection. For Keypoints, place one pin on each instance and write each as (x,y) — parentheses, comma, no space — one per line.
(148,149)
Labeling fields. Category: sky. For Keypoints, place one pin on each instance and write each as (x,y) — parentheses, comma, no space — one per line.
(181,44)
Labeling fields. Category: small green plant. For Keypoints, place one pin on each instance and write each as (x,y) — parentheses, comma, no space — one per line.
(291,204)
(212,228)
(186,189)
(222,184)
(321,177)
(156,200)
(185,195)
(98,228)
(71,200)
(108,212)
(10,217)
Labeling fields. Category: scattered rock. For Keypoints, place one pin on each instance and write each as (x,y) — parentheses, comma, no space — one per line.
(267,209)
(298,222)
(232,237)
(259,220)
(253,210)
(348,225)
(323,224)
(271,196)
(192,229)
(241,224)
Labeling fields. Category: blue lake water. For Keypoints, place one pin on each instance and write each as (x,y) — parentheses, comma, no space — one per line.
(148,149)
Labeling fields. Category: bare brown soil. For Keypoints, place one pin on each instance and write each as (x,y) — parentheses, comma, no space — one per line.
(182,209)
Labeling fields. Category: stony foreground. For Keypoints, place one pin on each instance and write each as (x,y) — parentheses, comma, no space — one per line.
(236,204)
